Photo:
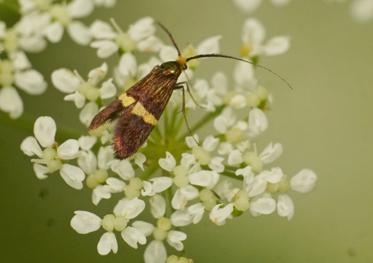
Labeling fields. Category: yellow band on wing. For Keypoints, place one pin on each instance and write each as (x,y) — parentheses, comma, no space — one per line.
(126,100)
(139,110)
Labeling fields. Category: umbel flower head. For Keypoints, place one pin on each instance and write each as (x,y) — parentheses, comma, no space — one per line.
(40,21)
(216,171)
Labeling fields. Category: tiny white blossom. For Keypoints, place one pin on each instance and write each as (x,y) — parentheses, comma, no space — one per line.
(140,36)
(285,206)
(304,181)
(263,206)
(219,214)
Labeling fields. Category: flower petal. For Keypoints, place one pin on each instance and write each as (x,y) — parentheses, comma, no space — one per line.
(253,32)
(129,208)
(107,243)
(108,89)
(271,153)
(85,222)
(11,102)
(54,32)
(263,206)
(204,178)
(80,8)
(144,227)
(31,81)
(167,163)
(209,45)
(64,80)
(258,122)
(40,171)
(88,162)
(219,214)
(277,46)
(123,168)
(304,181)
(157,206)
(105,48)
(102,30)
(181,218)
(141,29)
(247,5)
(155,252)
(79,33)
(285,206)
(45,131)
(88,113)
(73,176)
(175,239)
(87,142)
(30,147)
(132,236)
(68,150)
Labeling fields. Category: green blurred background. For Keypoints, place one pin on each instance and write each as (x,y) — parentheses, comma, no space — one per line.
(325,124)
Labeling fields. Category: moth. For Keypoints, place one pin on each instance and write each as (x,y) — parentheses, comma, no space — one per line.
(139,108)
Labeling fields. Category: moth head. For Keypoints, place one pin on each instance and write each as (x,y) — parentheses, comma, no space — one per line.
(171,68)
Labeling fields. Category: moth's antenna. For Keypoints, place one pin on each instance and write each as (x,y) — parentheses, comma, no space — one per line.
(171,37)
(243,60)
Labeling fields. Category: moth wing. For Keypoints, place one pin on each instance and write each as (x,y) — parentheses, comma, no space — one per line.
(110,112)
(130,133)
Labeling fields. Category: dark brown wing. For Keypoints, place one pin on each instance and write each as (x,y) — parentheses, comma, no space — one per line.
(110,112)
(130,133)
(139,109)
(154,90)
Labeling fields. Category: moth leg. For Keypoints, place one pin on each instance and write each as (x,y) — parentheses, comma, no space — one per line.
(110,112)
(188,85)
(183,109)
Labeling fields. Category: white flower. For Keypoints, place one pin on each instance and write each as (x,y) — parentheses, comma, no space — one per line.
(253,35)
(66,16)
(128,72)
(304,181)
(17,72)
(79,91)
(140,36)
(85,222)
(51,158)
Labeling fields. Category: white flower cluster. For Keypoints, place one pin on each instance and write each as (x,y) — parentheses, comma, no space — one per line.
(40,21)
(180,179)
